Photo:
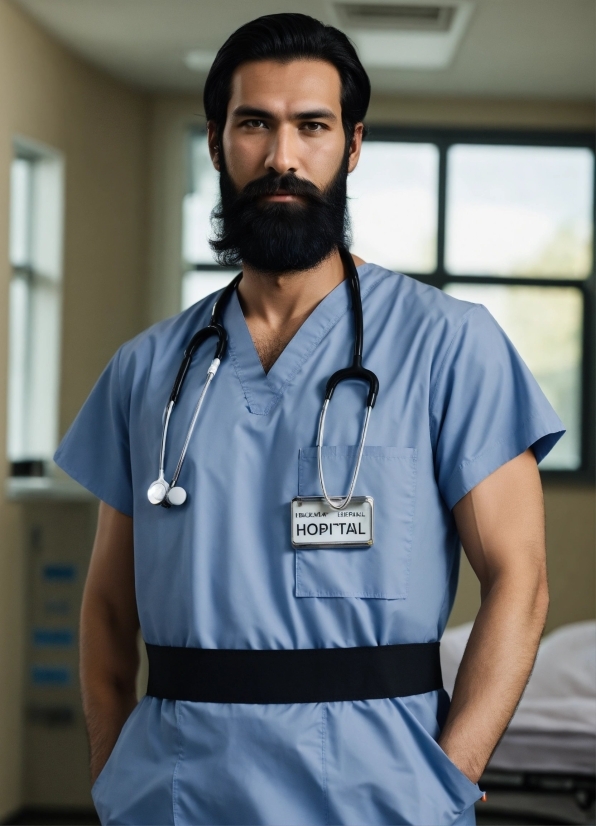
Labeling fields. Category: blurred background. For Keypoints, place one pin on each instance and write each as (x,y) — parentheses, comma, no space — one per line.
(477,177)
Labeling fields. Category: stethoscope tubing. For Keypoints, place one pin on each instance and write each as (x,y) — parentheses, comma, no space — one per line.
(210,374)
(355,372)
(338,503)
(162,493)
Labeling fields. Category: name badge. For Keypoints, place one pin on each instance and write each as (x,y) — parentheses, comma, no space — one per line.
(316,525)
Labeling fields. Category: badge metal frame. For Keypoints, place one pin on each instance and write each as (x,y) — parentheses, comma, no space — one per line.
(320,500)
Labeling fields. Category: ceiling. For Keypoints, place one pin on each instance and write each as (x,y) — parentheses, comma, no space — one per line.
(511,48)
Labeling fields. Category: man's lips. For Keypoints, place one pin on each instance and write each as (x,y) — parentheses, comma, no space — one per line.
(282,196)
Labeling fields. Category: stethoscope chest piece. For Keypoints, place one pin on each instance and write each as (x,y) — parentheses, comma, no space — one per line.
(176,496)
(160,493)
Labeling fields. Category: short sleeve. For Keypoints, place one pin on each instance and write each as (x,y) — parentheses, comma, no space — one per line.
(486,408)
(95,450)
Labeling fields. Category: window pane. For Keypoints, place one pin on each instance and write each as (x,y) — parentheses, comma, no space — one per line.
(203,195)
(393,205)
(197,285)
(18,359)
(35,303)
(20,213)
(44,370)
(545,325)
(519,210)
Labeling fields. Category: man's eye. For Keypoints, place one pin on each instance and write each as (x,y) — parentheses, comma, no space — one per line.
(254,123)
(313,127)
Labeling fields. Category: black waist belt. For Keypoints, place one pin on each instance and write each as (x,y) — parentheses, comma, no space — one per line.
(311,675)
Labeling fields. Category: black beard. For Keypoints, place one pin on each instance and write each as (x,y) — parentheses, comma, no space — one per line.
(279,237)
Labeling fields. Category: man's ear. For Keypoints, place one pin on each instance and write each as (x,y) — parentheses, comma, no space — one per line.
(355,147)
(213,143)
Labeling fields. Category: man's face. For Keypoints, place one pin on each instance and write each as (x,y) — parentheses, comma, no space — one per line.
(283,161)
(285,118)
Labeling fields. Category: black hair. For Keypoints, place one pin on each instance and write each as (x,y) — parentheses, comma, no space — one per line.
(286,37)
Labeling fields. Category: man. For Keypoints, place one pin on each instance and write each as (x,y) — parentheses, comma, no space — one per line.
(296,685)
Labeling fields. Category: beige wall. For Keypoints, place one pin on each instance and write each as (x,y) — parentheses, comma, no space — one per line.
(479,113)
(101,127)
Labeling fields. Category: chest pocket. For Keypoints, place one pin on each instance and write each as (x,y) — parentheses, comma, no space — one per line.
(388,474)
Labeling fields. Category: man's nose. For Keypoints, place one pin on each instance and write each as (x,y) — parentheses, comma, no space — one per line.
(282,157)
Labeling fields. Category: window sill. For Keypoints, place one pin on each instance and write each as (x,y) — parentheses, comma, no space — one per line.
(45,489)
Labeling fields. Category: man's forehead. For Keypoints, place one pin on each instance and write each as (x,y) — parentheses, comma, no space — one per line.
(298,85)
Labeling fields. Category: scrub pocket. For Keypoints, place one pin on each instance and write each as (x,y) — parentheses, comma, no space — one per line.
(381,571)
(135,785)
(99,780)
(450,790)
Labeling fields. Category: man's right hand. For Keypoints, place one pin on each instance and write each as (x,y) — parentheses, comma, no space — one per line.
(108,635)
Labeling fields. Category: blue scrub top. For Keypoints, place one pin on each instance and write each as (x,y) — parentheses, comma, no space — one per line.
(455,403)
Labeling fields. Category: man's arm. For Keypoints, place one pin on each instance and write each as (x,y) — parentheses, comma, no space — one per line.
(501,526)
(109,625)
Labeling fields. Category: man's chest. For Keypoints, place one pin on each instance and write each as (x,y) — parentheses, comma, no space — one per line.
(270,342)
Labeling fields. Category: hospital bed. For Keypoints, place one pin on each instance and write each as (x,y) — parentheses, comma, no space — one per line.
(543,770)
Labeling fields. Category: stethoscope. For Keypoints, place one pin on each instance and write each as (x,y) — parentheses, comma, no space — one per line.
(164,494)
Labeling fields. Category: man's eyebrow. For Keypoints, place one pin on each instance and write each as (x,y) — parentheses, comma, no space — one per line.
(315,114)
(253,112)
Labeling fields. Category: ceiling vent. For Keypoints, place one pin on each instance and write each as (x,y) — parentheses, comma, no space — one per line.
(413,35)
(396,17)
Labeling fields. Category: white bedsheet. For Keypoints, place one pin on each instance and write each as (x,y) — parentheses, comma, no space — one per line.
(554,727)
(542,751)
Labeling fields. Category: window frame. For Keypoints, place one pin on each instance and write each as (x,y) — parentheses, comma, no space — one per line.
(444,138)
(41,273)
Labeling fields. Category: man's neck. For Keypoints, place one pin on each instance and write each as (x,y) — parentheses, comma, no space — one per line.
(276,300)
(275,307)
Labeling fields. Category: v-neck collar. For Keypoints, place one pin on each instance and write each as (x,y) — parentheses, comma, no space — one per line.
(264,390)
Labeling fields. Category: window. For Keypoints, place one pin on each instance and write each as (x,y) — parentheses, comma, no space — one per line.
(396,224)
(503,219)
(201,275)
(519,211)
(525,214)
(34,306)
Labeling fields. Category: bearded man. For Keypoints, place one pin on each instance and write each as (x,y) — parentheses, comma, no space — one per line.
(293,570)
